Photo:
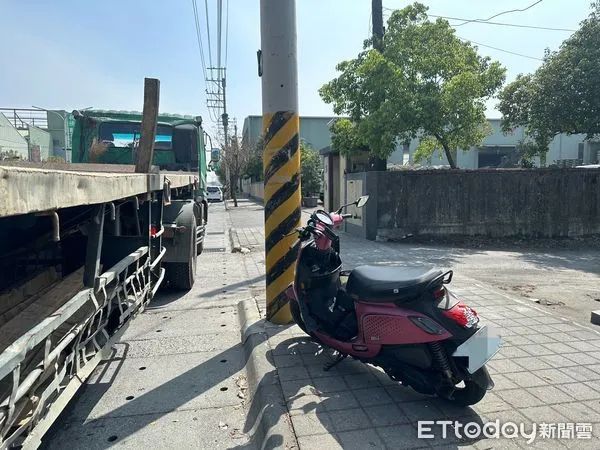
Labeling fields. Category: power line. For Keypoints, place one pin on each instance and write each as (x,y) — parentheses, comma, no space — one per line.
(487,22)
(199,38)
(502,24)
(500,14)
(226,29)
(500,49)
(208,33)
(219,27)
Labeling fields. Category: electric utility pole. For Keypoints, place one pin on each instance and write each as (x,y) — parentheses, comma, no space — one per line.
(278,66)
(225,119)
(376,163)
(235,162)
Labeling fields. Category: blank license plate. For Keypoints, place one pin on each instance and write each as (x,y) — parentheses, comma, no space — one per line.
(479,348)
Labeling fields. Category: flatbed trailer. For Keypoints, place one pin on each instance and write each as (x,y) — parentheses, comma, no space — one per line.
(83,249)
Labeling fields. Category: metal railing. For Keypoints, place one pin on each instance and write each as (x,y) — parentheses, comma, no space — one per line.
(25,117)
(44,367)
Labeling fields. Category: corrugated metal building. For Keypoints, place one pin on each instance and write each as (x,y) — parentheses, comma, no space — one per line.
(313,130)
(42,140)
(11,140)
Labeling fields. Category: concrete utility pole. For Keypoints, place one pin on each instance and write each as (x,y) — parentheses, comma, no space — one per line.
(377,15)
(225,118)
(236,165)
(281,159)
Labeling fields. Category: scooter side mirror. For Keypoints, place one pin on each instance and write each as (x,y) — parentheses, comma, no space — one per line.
(362,201)
(359,203)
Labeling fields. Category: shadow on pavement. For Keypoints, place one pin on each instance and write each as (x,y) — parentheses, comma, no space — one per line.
(328,399)
(147,406)
(93,392)
(261,416)
(234,287)
(169,296)
(566,259)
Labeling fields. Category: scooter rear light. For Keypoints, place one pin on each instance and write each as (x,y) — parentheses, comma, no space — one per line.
(462,314)
(427,325)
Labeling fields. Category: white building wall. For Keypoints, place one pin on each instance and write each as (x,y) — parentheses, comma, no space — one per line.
(562,147)
(11,139)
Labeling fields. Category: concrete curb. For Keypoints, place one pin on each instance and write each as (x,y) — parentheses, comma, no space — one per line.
(273,425)
(234,239)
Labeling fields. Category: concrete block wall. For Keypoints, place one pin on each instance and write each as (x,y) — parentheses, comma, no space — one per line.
(495,203)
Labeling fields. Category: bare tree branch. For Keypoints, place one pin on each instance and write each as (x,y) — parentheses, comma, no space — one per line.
(236,157)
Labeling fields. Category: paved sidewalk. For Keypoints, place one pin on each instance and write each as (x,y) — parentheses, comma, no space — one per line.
(547,372)
(177,379)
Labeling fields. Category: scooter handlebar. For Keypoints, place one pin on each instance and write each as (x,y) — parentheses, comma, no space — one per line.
(346,216)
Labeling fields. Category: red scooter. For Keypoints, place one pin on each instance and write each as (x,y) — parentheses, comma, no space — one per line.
(403,320)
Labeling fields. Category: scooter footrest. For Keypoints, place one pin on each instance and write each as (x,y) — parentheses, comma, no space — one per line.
(330,365)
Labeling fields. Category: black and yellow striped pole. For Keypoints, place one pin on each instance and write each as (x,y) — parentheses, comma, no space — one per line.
(281,160)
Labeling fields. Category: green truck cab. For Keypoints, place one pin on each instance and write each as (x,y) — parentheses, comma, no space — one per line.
(112,137)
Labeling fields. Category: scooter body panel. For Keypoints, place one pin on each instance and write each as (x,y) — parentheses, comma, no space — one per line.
(389,324)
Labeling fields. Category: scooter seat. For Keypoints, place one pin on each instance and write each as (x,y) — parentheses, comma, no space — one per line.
(379,284)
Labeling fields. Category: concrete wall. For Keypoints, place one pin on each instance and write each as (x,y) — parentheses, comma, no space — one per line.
(334,184)
(499,203)
(255,190)
(11,139)
(364,222)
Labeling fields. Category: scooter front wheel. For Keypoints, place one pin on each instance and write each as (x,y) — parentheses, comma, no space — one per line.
(295,310)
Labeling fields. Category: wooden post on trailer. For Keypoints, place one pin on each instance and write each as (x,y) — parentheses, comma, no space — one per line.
(145,153)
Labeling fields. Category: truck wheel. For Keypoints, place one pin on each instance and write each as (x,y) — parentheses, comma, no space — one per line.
(183,275)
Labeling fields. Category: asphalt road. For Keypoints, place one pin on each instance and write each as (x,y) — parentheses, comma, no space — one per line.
(565,281)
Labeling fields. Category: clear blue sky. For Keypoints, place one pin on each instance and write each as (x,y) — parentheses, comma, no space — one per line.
(73,54)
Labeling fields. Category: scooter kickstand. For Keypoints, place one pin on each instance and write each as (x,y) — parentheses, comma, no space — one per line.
(337,358)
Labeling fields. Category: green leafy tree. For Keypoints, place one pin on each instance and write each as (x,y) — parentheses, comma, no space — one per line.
(310,162)
(562,96)
(425,83)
